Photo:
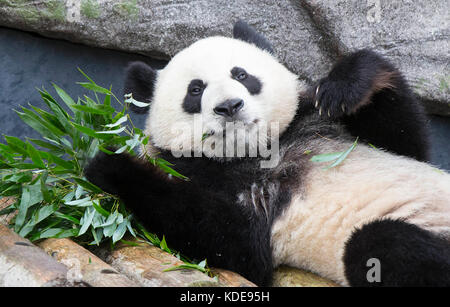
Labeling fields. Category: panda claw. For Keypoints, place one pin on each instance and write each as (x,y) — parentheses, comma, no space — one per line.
(317,104)
(320,111)
(329,113)
(343,107)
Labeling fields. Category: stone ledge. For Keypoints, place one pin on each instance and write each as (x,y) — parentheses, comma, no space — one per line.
(24,265)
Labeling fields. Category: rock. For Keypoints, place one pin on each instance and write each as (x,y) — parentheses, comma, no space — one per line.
(414,35)
(5,203)
(24,265)
(145,264)
(308,36)
(231,279)
(84,265)
(291,277)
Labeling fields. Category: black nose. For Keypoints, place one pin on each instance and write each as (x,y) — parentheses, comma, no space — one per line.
(229,107)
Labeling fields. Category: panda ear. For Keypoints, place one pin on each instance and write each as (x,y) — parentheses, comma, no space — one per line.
(245,32)
(139,81)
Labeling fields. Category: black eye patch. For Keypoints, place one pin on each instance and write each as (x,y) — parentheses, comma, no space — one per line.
(192,102)
(251,82)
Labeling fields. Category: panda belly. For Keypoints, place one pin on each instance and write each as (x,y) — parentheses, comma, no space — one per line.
(369,184)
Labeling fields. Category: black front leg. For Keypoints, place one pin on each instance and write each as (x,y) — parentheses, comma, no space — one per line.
(195,221)
(370,96)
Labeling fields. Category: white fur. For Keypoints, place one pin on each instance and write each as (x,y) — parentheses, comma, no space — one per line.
(211,60)
(369,184)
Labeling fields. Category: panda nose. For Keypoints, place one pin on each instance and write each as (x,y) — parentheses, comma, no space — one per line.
(229,107)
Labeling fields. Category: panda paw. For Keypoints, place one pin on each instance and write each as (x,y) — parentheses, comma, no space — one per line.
(334,99)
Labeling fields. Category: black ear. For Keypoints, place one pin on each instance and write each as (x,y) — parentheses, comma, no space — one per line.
(139,81)
(243,31)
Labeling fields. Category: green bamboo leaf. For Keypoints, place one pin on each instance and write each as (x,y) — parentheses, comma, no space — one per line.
(343,156)
(120,231)
(37,217)
(99,209)
(64,96)
(90,132)
(116,131)
(35,157)
(52,147)
(87,185)
(118,122)
(17,145)
(67,217)
(87,220)
(97,109)
(19,177)
(163,245)
(94,87)
(30,195)
(45,192)
(326,157)
(140,104)
(79,202)
(37,124)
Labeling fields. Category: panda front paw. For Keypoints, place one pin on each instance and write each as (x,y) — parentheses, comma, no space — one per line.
(329,101)
(335,99)
(352,82)
(106,170)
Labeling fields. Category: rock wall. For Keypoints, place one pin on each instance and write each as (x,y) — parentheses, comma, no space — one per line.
(308,35)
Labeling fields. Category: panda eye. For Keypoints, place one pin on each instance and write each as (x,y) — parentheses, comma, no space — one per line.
(241,76)
(196,90)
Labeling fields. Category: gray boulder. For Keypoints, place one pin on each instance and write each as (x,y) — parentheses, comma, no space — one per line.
(308,35)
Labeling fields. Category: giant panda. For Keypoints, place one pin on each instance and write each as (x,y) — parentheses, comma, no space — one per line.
(382,202)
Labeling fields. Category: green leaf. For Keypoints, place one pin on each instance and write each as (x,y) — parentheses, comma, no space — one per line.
(118,122)
(30,196)
(45,128)
(100,209)
(64,96)
(87,185)
(79,202)
(90,132)
(163,245)
(94,87)
(120,231)
(67,217)
(17,145)
(35,157)
(98,109)
(47,145)
(343,156)
(36,218)
(87,220)
(130,99)
(326,157)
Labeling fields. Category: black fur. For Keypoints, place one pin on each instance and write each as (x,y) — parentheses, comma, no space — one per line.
(371,98)
(408,255)
(251,82)
(192,102)
(140,80)
(243,31)
(201,223)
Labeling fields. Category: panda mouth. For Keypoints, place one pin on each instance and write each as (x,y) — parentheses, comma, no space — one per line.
(223,131)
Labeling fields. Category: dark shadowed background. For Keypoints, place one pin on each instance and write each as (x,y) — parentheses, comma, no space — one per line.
(29,61)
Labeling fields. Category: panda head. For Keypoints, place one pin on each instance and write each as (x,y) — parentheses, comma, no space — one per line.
(215,85)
